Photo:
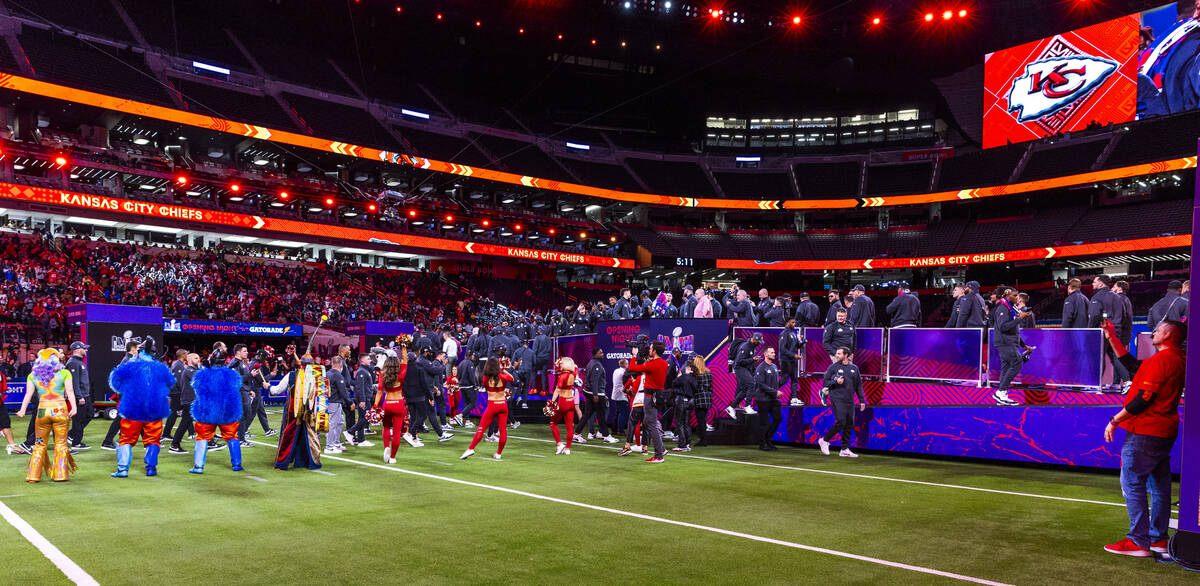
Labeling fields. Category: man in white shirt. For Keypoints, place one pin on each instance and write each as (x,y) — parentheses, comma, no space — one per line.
(618,412)
(450,347)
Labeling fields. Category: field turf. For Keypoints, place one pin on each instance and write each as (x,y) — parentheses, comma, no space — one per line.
(433,519)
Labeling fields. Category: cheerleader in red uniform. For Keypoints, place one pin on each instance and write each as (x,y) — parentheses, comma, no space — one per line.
(494,382)
(395,411)
(564,399)
(453,394)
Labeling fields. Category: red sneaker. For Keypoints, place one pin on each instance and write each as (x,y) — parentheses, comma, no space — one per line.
(654,461)
(1159,546)
(1128,547)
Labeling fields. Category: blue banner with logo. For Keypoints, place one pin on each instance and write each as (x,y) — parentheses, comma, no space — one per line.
(230,328)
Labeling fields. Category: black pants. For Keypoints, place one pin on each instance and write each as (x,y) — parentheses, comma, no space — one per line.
(595,409)
(260,410)
(843,413)
(83,416)
(635,417)
(359,429)
(247,416)
(745,386)
(683,420)
(701,424)
(787,372)
(1010,366)
(470,398)
(30,435)
(769,407)
(170,424)
(113,429)
(185,425)
(419,412)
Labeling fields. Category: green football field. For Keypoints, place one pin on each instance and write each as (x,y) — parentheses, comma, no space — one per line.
(718,515)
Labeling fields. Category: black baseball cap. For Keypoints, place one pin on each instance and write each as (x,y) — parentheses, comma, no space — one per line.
(859,288)
(78,346)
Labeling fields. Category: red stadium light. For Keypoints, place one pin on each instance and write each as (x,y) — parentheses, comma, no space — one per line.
(876,21)
(412,213)
(478,23)
(551,231)
(449,218)
(593,42)
(962,13)
(582,235)
(329,201)
(560,37)
(612,238)
(439,16)
(284,195)
(796,20)
(521,31)
(60,160)
(181,179)
(234,187)
(658,47)
(714,13)
(518,228)
(486,223)
(624,44)
(928,17)
(372,207)
(947,15)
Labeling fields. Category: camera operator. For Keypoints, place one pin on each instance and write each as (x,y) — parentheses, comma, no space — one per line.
(648,360)
(791,346)
(743,372)
(262,371)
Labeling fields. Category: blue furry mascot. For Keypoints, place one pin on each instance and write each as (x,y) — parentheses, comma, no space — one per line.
(218,404)
(143,384)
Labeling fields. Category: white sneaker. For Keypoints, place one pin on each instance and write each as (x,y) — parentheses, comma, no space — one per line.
(419,444)
(332,451)
(516,424)
(459,420)
(797,403)
(846,453)
(349,438)
(729,411)
(412,441)
(391,461)
(709,428)
(467,454)
(610,440)
(824,445)
(365,444)
(750,410)
(1001,398)
(560,448)
(579,439)
(469,424)
(490,439)
(496,457)
(591,436)
(566,451)
(445,437)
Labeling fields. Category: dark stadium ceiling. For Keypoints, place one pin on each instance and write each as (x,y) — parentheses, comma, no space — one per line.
(642,67)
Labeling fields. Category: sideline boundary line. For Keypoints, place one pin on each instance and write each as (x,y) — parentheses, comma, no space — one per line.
(751,537)
(69,568)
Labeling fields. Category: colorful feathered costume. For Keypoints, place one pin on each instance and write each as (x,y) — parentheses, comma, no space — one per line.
(144,384)
(218,404)
(304,416)
(49,380)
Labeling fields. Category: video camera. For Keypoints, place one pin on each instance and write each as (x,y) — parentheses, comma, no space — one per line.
(639,344)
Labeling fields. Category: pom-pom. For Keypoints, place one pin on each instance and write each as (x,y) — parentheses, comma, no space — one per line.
(218,396)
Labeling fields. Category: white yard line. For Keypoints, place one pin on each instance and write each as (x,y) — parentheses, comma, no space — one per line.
(69,568)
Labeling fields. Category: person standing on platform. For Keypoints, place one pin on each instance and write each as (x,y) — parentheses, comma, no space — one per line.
(763,305)
(1029,322)
(905,309)
(842,384)
(808,315)
(623,309)
(703,306)
(542,348)
(862,314)
(1150,418)
(1108,305)
(743,372)
(766,383)
(1007,340)
(83,395)
(775,316)
(977,312)
(839,334)
(790,350)
(1121,288)
(1075,306)
(688,309)
(956,295)
(742,311)
(834,305)
(1173,306)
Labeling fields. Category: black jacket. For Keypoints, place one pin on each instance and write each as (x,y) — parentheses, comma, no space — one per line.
(839,336)
(1173,306)
(176,369)
(862,312)
(761,308)
(542,349)
(184,382)
(850,387)
(808,315)
(466,374)
(339,392)
(79,379)
(831,315)
(1105,303)
(775,317)
(417,381)
(789,344)
(1075,311)
(364,385)
(905,310)
(526,357)
(1007,336)
(594,379)
(743,313)
(766,381)
(687,386)
(744,358)
(243,369)
(622,310)
(689,307)
(968,312)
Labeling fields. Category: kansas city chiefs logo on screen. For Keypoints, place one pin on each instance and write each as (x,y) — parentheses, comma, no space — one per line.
(1050,85)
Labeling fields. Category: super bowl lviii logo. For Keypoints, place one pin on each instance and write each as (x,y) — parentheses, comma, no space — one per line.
(1056,85)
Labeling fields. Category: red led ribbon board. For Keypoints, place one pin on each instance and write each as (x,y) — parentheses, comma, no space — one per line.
(1061,83)
(1074,250)
(41,88)
(276,225)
